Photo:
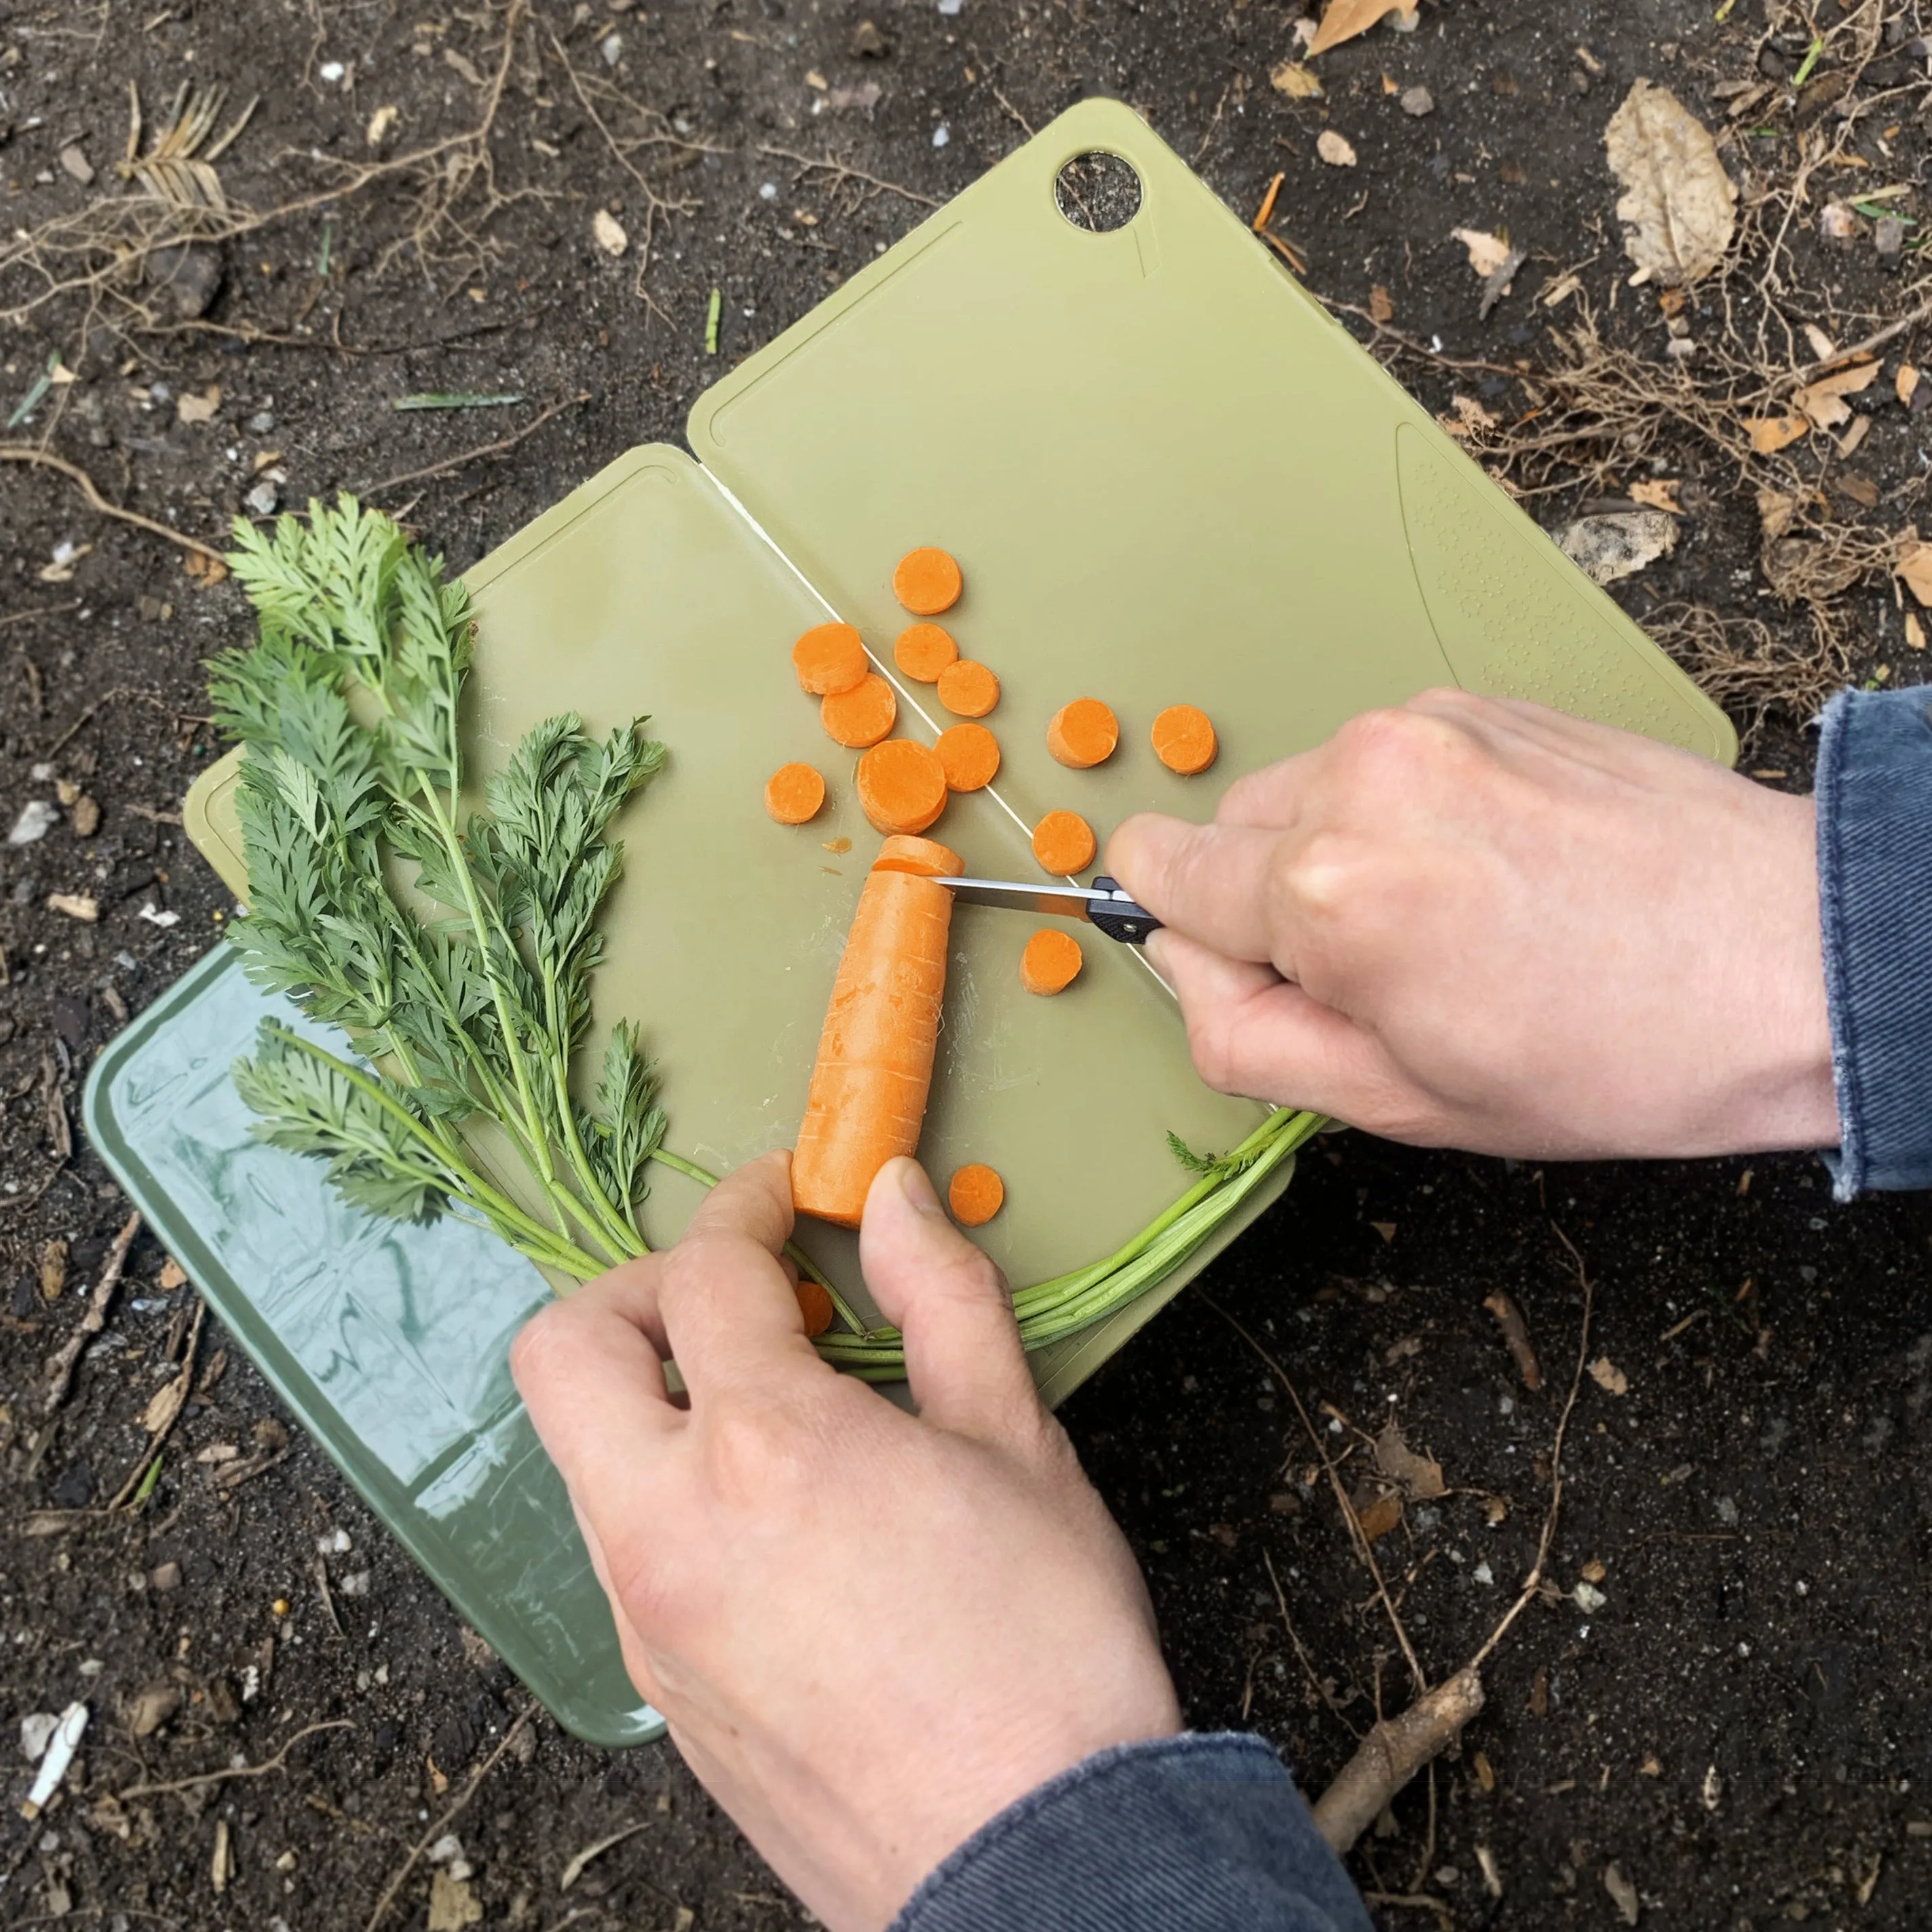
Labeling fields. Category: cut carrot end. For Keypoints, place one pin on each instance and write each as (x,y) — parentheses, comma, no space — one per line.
(815,1304)
(1083,734)
(1064,842)
(793,794)
(1184,740)
(1052,962)
(968,689)
(862,716)
(927,582)
(971,755)
(925,856)
(976,1194)
(830,659)
(901,786)
(922,651)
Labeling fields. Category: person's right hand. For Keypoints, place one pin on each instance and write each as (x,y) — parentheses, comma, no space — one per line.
(1476,922)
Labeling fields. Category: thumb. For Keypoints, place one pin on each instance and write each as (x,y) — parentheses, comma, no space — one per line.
(964,1359)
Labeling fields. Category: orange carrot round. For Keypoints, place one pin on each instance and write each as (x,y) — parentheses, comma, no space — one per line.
(861,716)
(1064,842)
(924,650)
(976,1194)
(968,689)
(794,794)
(1184,740)
(926,582)
(1052,962)
(971,755)
(901,786)
(1083,734)
(815,1304)
(830,659)
(867,1099)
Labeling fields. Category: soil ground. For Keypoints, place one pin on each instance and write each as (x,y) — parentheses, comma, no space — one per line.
(1738,1723)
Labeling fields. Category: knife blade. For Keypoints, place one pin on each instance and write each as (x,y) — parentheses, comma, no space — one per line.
(1103,904)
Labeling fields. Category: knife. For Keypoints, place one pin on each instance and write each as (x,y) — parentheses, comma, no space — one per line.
(1103,904)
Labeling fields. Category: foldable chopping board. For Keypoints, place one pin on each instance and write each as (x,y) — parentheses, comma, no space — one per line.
(1169,477)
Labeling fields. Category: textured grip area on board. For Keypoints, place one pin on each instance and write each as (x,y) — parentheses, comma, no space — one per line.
(1512,626)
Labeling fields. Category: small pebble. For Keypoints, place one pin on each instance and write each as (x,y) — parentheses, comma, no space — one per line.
(941,134)
(1417,101)
(76,164)
(263,498)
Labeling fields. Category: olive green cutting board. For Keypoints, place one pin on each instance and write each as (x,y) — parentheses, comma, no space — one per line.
(1169,477)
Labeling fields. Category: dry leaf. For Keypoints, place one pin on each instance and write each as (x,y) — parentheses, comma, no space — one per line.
(1295,81)
(1606,548)
(1622,1892)
(1775,514)
(1334,150)
(1347,19)
(198,409)
(1914,632)
(1487,252)
(1678,207)
(207,572)
(1380,1517)
(172,1275)
(1907,384)
(165,1404)
(76,905)
(1381,308)
(380,125)
(1470,417)
(1913,565)
(609,232)
(1384,1228)
(1823,401)
(453,1903)
(1609,1377)
(1848,445)
(1823,349)
(1420,1478)
(1661,495)
(1769,434)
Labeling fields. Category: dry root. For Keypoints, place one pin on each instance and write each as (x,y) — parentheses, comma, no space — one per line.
(1391,1754)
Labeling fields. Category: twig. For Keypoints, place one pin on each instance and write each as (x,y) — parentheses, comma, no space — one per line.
(185,1380)
(1392,1753)
(1516,1334)
(45,459)
(60,1370)
(442,1824)
(1321,1689)
(37,610)
(1870,346)
(1409,343)
(1418,1901)
(496,448)
(279,1761)
(844,171)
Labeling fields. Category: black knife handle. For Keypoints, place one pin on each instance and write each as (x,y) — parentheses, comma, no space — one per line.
(1123,920)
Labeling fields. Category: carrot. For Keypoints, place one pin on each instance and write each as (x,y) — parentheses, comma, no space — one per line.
(926,582)
(901,786)
(1052,962)
(861,716)
(815,1304)
(968,689)
(971,755)
(976,1194)
(923,651)
(1083,734)
(1064,842)
(794,794)
(830,659)
(1184,740)
(867,1099)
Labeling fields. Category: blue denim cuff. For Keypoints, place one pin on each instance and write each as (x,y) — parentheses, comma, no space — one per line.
(1198,1833)
(1874,807)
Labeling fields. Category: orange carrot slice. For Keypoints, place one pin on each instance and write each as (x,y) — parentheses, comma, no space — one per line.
(971,755)
(926,582)
(976,1194)
(861,716)
(1083,734)
(1184,740)
(968,689)
(901,786)
(867,1099)
(794,794)
(815,1304)
(830,659)
(1052,962)
(924,650)
(1064,842)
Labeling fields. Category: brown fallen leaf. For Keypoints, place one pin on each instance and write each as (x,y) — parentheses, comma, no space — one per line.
(165,1403)
(1823,349)
(1609,547)
(1609,1377)
(1622,1892)
(1334,149)
(1769,434)
(1914,632)
(1469,418)
(1660,494)
(453,1903)
(1678,206)
(1347,19)
(1384,1228)
(1861,489)
(200,409)
(1823,402)
(172,1275)
(1516,1336)
(1487,252)
(1380,1517)
(1776,513)
(1420,1478)
(1381,308)
(1911,563)
(1906,383)
(1295,81)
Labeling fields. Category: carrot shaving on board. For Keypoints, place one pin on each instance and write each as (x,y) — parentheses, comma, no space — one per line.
(901,786)
(968,689)
(1052,962)
(869,1084)
(1083,734)
(922,651)
(1184,740)
(830,659)
(976,1194)
(1064,842)
(927,582)
(970,756)
(861,716)
(794,794)
(815,1304)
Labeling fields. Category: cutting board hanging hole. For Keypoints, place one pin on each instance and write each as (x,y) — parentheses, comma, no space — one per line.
(1098,192)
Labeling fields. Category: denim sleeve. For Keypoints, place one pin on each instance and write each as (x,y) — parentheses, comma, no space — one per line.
(1875,892)
(1200,1833)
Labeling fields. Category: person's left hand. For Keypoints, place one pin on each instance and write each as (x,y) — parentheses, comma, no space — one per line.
(870,1632)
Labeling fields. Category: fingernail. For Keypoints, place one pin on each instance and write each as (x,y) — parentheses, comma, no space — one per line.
(917,1189)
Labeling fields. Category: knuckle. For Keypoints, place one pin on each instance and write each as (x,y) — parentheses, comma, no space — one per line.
(758,1452)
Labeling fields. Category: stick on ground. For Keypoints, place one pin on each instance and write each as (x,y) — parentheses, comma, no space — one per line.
(1391,1754)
